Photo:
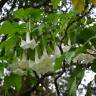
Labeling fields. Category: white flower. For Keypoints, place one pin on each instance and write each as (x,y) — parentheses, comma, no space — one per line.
(19,71)
(66,47)
(57,52)
(44,64)
(28,43)
(37,60)
(41,65)
(85,58)
(23,63)
(16,66)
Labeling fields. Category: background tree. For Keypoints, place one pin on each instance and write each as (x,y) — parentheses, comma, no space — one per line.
(46,46)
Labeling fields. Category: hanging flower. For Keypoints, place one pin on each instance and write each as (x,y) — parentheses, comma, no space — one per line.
(28,43)
(57,52)
(66,47)
(19,72)
(44,64)
(17,65)
(41,65)
(23,62)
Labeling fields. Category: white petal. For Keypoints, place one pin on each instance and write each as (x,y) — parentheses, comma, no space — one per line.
(33,41)
(23,63)
(28,43)
(24,45)
(43,65)
(33,44)
(57,51)
(45,52)
(19,71)
(36,57)
(31,64)
(69,42)
(66,47)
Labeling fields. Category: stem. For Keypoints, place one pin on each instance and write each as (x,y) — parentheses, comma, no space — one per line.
(72,22)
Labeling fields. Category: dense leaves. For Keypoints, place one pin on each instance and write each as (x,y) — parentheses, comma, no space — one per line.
(29,12)
(74,80)
(13,81)
(42,46)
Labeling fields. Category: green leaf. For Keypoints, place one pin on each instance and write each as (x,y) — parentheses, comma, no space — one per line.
(22,28)
(20,13)
(10,43)
(33,13)
(13,80)
(85,34)
(73,52)
(27,13)
(33,81)
(74,80)
(58,63)
(9,28)
(55,3)
(2,66)
(73,88)
(81,49)
(69,56)
(93,66)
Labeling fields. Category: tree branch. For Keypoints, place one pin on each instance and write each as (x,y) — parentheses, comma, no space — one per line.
(38,82)
(72,22)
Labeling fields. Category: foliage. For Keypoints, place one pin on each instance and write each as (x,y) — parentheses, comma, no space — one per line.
(39,45)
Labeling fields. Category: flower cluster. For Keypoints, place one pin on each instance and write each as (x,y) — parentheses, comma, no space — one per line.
(41,65)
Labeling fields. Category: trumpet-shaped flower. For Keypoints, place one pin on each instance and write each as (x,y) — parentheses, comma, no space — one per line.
(23,63)
(17,65)
(66,47)
(44,64)
(41,65)
(57,52)
(19,71)
(28,43)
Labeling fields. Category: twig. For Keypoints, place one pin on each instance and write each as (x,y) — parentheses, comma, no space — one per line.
(55,82)
(72,22)
(58,76)
(33,88)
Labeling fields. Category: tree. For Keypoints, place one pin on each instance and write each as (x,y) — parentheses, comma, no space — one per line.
(42,46)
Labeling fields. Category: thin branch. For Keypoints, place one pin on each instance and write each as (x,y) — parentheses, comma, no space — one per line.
(58,76)
(33,88)
(72,22)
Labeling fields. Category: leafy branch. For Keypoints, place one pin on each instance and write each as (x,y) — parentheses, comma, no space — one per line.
(71,22)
